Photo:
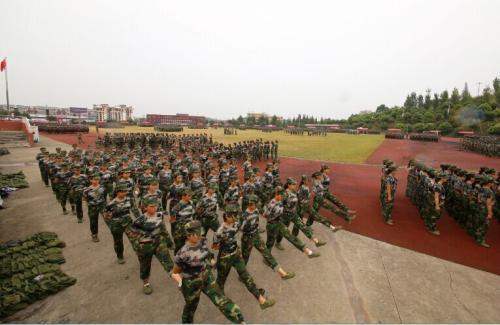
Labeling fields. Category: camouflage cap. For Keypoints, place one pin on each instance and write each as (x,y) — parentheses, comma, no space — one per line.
(125,170)
(252,198)
(152,181)
(278,190)
(324,167)
(151,201)
(256,169)
(232,209)
(233,178)
(121,188)
(213,186)
(304,178)
(186,191)
(291,181)
(95,175)
(64,164)
(193,227)
(316,174)
(486,180)
(269,165)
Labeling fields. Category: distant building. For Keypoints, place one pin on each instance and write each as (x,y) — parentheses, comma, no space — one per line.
(119,113)
(322,126)
(177,119)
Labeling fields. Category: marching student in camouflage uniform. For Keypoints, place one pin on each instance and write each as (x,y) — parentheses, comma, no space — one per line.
(192,271)
(144,179)
(206,210)
(343,210)
(151,192)
(304,199)
(232,194)
(61,180)
(148,236)
(251,238)
(180,215)
(197,186)
(230,256)
(165,179)
(77,183)
(107,178)
(290,214)
(318,203)
(389,184)
(95,195)
(267,184)
(275,227)
(175,191)
(117,217)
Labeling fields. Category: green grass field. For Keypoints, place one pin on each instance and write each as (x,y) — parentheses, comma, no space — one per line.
(338,147)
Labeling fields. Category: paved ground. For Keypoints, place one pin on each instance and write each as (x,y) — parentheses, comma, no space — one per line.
(357,279)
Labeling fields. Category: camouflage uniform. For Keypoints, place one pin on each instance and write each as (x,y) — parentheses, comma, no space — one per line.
(183,213)
(96,201)
(251,238)
(76,186)
(290,215)
(230,256)
(275,226)
(207,213)
(387,204)
(149,237)
(197,277)
(165,180)
(62,187)
(120,220)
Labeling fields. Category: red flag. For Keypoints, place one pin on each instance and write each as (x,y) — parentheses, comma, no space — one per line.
(3,65)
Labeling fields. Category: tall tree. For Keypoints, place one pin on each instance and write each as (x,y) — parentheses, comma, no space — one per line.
(466,97)
(444,96)
(455,96)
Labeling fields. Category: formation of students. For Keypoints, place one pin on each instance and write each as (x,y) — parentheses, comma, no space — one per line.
(472,199)
(187,181)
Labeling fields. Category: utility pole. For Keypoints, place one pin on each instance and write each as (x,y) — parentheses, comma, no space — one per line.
(478,87)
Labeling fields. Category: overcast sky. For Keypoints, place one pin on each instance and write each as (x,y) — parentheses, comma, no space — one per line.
(225,58)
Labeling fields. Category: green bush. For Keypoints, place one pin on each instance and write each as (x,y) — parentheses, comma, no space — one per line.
(495,129)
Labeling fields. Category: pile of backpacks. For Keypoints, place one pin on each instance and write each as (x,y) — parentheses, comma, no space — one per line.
(30,271)
(14,180)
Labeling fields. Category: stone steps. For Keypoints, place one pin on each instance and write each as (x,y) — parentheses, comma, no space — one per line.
(13,139)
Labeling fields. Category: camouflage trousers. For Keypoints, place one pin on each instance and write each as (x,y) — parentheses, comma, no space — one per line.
(250,241)
(386,207)
(179,235)
(76,203)
(205,282)
(224,265)
(94,211)
(209,223)
(146,251)
(314,214)
(319,203)
(276,229)
(482,224)
(117,228)
(332,198)
(298,224)
(45,176)
(63,193)
(431,217)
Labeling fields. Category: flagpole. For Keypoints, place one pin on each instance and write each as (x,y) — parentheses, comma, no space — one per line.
(7,89)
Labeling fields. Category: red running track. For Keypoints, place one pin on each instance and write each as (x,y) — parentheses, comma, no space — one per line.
(358,186)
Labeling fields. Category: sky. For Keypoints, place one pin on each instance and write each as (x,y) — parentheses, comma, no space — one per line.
(222,59)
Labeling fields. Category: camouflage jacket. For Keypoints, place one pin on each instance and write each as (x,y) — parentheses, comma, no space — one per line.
(304,194)
(78,183)
(119,209)
(232,194)
(207,206)
(290,201)
(250,222)
(273,211)
(175,191)
(193,259)
(325,181)
(198,187)
(165,178)
(183,212)
(318,188)
(267,182)
(226,238)
(62,178)
(249,188)
(146,195)
(130,185)
(95,196)
(150,228)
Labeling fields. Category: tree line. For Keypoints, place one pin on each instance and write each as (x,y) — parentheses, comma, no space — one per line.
(445,111)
